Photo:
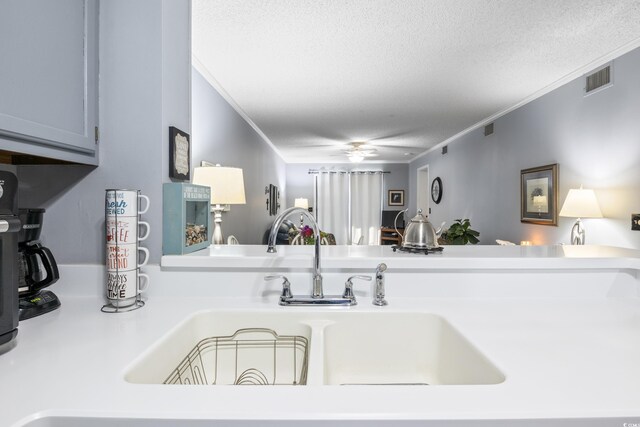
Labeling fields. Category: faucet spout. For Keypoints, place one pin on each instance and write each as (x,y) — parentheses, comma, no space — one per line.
(317,291)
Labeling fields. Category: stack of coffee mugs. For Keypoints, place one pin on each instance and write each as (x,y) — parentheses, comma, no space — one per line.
(124,255)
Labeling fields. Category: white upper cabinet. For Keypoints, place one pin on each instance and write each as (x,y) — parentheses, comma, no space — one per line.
(49,78)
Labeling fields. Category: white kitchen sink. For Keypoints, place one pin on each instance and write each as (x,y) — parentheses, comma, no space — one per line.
(225,348)
(402,348)
(314,348)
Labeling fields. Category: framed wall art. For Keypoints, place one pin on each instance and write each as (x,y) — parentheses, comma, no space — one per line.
(395,198)
(539,195)
(273,199)
(179,155)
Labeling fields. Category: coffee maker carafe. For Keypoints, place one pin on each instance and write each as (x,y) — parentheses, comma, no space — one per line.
(38,268)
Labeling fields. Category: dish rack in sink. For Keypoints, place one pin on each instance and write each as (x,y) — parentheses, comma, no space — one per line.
(251,356)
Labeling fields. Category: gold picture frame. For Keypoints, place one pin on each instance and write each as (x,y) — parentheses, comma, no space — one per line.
(539,195)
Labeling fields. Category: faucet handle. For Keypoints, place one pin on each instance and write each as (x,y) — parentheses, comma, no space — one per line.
(286,285)
(348,286)
(378,289)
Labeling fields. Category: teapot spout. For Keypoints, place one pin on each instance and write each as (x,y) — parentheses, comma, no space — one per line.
(440,229)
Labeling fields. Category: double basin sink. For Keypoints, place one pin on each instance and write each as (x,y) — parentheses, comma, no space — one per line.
(314,348)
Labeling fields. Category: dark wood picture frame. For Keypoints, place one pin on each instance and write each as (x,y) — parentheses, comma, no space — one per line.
(179,155)
(395,198)
(539,195)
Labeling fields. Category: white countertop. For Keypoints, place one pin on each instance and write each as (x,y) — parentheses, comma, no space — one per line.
(226,257)
(561,358)
(568,357)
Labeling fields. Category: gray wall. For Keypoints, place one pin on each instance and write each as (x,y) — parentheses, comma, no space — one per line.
(594,139)
(300,182)
(221,135)
(145,71)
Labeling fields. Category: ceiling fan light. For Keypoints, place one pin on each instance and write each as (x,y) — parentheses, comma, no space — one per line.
(355,157)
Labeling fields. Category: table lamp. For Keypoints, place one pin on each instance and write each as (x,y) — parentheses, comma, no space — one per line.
(580,203)
(227,188)
(304,204)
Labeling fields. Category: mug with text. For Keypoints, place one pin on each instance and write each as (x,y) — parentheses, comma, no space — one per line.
(125,203)
(125,257)
(125,229)
(123,287)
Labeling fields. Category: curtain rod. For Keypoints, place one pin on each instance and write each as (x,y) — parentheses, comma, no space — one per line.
(316,172)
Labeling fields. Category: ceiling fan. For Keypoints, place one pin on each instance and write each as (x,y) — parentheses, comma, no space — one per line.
(358,151)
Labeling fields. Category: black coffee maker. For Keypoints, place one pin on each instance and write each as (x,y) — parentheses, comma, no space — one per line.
(37,267)
(9,227)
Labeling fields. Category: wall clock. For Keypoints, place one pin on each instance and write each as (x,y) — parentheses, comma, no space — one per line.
(436,190)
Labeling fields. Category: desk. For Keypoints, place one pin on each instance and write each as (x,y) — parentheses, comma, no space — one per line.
(389,236)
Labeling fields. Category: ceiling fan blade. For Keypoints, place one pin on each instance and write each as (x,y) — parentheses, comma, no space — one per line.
(395,135)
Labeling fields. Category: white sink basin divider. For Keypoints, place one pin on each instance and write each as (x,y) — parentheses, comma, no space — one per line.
(338,348)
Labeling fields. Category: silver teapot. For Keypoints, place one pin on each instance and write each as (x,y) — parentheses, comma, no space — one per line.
(420,233)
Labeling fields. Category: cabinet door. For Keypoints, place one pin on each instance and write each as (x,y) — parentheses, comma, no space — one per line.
(48,75)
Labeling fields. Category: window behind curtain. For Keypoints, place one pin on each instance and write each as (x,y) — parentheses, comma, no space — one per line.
(350,206)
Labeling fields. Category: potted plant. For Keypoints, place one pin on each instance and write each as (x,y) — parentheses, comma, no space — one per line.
(460,233)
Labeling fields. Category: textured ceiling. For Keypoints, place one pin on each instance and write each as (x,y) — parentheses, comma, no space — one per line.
(404,75)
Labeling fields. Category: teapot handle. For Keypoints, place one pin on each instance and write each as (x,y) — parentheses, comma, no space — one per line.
(395,222)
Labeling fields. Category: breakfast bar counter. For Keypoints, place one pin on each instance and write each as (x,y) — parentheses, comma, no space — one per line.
(565,339)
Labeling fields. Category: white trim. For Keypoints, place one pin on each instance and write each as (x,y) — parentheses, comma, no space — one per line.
(594,65)
(200,67)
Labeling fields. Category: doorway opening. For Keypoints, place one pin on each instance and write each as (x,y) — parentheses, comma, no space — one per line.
(422,189)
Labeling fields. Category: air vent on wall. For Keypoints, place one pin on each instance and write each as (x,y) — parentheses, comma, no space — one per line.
(488,129)
(598,80)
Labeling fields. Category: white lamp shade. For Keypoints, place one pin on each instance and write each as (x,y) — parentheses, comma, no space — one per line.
(581,203)
(302,203)
(227,184)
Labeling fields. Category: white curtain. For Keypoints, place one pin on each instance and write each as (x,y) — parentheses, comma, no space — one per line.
(332,205)
(366,208)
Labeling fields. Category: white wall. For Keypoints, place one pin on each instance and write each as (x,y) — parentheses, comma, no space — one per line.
(594,139)
(145,71)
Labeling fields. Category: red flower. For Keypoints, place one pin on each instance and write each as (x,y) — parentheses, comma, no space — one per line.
(306,231)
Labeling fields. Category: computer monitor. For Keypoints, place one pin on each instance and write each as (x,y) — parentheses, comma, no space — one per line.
(389,216)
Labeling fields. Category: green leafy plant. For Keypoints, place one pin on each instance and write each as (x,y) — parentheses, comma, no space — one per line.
(460,233)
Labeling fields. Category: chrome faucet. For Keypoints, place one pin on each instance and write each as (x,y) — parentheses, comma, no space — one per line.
(317,291)
(317,295)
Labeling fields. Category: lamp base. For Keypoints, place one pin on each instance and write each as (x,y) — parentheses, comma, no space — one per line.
(217,238)
(577,233)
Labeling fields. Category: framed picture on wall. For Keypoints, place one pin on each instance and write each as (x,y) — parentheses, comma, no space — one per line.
(395,198)
(179,155)
(539,195)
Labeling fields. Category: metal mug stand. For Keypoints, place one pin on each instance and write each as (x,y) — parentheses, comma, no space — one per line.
(112,307)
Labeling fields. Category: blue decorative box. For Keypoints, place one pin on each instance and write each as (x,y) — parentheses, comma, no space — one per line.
(185,218)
